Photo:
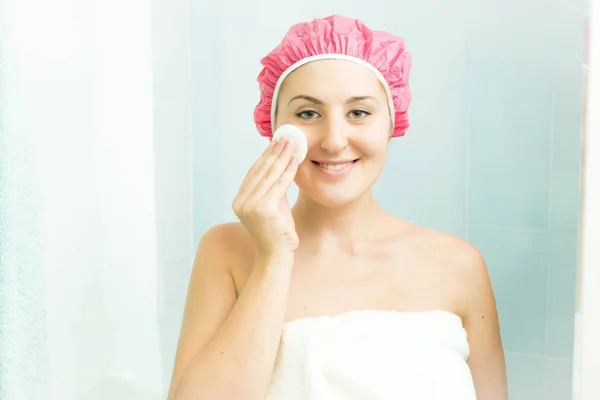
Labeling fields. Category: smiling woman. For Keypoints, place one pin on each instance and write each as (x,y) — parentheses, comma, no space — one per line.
(348,127)
(334,298)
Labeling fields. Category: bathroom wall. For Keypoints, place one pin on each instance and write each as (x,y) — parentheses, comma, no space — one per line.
(524,159)
(493,154)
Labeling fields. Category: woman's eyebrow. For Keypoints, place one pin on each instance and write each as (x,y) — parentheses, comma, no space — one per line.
(306,97)
(353,99)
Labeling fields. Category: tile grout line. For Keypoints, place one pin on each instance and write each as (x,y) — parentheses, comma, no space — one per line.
(468,133)
(548,243)
(540,356)
(512,229)
(549,216)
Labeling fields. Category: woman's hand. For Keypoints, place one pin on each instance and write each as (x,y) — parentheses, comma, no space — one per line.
(261,203)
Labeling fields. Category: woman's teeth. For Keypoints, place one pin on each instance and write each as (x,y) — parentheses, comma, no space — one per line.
(335,167)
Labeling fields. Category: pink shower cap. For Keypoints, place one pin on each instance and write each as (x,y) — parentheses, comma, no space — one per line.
(337,37)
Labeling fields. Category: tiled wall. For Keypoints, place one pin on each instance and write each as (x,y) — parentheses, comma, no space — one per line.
(525,219)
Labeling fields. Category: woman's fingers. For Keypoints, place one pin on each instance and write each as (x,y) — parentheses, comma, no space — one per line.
(271,174)
(255,173)
(265,172)
(279,189)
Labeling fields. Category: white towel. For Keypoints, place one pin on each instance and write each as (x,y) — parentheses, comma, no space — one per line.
(373,355)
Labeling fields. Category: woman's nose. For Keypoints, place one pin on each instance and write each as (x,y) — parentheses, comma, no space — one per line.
(333,137)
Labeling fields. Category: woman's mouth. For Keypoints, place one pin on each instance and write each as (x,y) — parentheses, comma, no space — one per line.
(336,168)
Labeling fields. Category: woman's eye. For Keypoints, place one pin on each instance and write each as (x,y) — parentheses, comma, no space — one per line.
(308,114)
(358,113)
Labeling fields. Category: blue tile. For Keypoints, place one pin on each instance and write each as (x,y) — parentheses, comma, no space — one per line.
(562,293)
(509,143)
(568,118)
(567,59)
(509,159)
(559,379)
(526,376)
(510,100)
(508,173)
(566,189)
(516,262)
(421,27)
(573,7)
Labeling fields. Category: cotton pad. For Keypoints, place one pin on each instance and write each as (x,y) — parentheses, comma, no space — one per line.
(296,135)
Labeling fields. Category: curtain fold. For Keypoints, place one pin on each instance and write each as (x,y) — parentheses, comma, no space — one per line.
(24,372)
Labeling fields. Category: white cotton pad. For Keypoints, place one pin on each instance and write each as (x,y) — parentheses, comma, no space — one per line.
(296,135)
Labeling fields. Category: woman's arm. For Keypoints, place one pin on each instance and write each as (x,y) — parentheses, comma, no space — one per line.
(227,347)
(486,361)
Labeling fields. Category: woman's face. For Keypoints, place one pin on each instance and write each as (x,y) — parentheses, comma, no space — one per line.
(342,108)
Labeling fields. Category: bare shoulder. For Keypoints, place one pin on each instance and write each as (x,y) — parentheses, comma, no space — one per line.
(453,252)
(459,265)
(230,240)
(233,247)
(226,234)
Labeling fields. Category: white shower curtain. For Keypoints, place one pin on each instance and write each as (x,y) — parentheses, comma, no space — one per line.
(23,341)
(80,199)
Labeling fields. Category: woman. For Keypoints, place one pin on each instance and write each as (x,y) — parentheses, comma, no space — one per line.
(334,298)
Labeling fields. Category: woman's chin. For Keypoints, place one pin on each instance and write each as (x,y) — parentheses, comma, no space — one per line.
(334,199)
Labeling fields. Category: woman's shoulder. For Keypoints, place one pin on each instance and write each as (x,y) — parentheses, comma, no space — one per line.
(459,264)
(230,237)
(232,241)
(227,232)
(451,249)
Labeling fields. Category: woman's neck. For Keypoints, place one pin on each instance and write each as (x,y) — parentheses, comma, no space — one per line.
(320,225)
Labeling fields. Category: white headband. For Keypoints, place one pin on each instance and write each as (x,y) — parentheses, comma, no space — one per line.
(306,60)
